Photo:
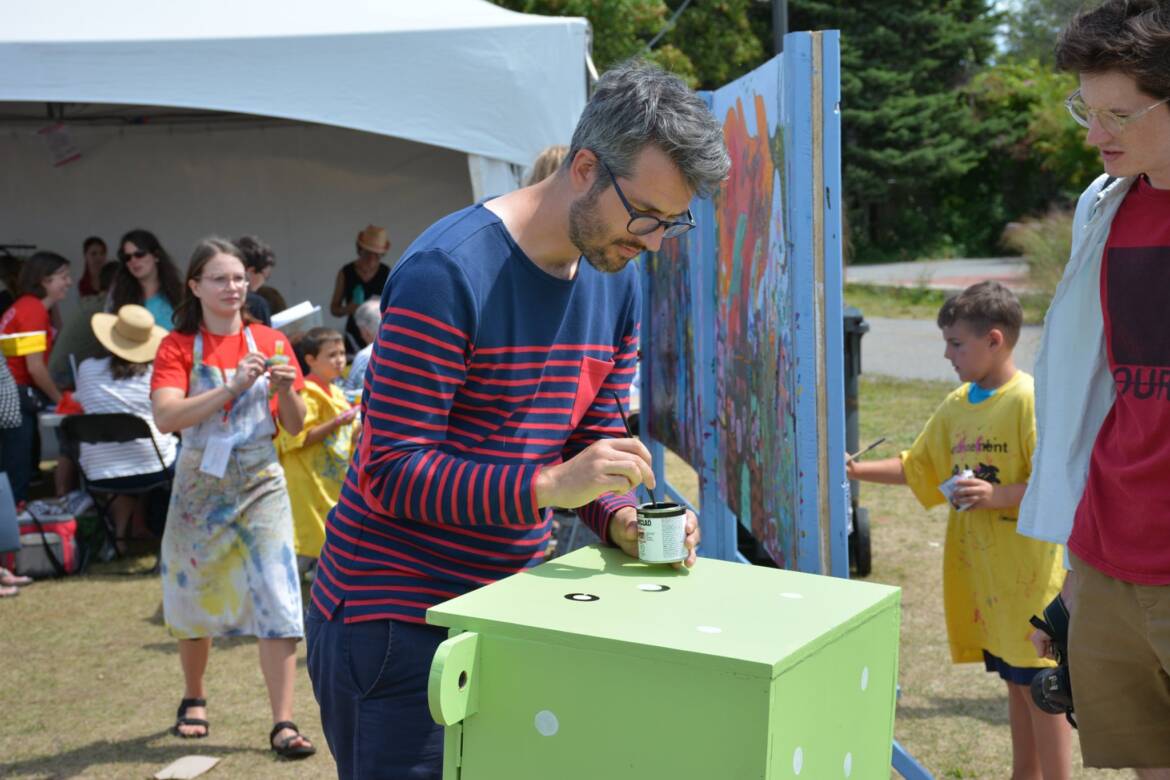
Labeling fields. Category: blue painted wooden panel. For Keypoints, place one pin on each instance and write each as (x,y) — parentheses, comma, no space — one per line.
(741,338)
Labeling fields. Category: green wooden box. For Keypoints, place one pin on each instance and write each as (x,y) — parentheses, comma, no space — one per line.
(597,666)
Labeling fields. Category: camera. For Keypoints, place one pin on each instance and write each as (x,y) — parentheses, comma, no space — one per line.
(1052,688)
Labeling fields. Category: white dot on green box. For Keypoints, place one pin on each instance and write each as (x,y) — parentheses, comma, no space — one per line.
(546,723)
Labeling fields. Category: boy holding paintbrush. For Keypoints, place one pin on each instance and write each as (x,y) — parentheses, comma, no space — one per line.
(976,452)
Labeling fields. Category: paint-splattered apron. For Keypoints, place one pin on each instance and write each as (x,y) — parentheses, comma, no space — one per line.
(228,566)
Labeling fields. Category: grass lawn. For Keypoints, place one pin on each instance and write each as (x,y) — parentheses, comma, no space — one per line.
(922,303)
(91,678)
(91,682)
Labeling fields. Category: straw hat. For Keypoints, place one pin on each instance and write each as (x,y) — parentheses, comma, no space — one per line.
(374,239)
(130,334)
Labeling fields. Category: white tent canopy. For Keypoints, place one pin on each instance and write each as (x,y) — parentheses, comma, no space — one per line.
(295,120)
(460,74)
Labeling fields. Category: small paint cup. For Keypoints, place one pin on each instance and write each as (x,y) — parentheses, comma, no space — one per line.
(662,533)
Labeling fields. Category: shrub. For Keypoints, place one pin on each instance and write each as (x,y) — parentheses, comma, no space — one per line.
(1045,243)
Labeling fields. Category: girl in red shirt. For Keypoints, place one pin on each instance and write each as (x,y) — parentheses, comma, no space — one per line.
(44,282)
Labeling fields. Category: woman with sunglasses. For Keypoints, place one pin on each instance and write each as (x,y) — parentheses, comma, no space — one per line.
(147,277)
(228,562)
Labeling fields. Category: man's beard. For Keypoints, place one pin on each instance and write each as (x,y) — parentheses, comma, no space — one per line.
(588,234)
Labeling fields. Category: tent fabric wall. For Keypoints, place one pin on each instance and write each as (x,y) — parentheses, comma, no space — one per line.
(492,177)
(305,189)
(471,88)
(461,74)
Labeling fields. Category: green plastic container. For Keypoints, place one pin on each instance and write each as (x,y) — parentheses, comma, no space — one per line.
(597,666)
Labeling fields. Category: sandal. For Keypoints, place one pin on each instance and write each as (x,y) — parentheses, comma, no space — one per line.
(8,591)
(285,748)
(181,719)
(8,579)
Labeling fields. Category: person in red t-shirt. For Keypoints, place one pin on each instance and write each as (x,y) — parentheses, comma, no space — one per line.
(1118,589)
(228,562)
(45,281)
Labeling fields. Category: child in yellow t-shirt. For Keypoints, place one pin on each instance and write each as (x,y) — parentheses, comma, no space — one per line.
(316,459)
(978,448)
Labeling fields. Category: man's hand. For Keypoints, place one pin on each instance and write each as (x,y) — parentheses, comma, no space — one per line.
(605,466)
(623,532)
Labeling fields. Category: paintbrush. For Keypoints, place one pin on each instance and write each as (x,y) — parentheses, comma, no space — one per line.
(630,433)
(859,453)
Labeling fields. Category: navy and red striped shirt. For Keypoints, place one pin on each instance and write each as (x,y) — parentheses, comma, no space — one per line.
(485,369)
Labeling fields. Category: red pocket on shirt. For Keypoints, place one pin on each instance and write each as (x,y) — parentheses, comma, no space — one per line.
(593,375)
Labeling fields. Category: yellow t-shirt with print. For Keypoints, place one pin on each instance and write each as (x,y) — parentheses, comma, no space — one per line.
(315,473)
(994,579)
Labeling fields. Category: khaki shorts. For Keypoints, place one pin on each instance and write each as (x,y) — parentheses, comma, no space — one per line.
(1119,656)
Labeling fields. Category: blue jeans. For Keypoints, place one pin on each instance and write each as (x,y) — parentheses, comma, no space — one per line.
(370,680)
(17,447)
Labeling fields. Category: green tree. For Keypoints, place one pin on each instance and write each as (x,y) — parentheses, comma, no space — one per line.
(905,127)
(1033,154)
(1032,27)
(709,44)
(939,150)
(723,39)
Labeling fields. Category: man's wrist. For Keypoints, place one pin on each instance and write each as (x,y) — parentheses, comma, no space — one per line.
(540,487)
(616,517)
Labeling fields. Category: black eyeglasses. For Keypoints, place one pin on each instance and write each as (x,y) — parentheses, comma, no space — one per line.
(128,256)
(643,224)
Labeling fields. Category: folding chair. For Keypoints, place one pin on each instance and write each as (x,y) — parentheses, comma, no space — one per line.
(116,428)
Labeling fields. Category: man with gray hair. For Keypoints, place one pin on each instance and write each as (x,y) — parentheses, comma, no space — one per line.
(509,331)
(367,318)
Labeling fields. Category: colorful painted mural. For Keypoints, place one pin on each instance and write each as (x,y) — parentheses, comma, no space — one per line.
(742,337)
(675,392)
(754,355)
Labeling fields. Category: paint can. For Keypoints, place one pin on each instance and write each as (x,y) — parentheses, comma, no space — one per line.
(662,532)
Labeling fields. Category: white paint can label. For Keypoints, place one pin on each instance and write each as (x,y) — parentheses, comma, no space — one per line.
(662,533)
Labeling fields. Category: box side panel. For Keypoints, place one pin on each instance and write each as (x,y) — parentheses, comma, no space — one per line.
(574,714)
(833,714)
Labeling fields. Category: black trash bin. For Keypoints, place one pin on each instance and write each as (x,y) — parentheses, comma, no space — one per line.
(860,556)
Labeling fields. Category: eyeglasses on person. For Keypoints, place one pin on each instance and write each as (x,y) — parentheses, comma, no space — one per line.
(223,282)
(643,224)
(1109,121)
